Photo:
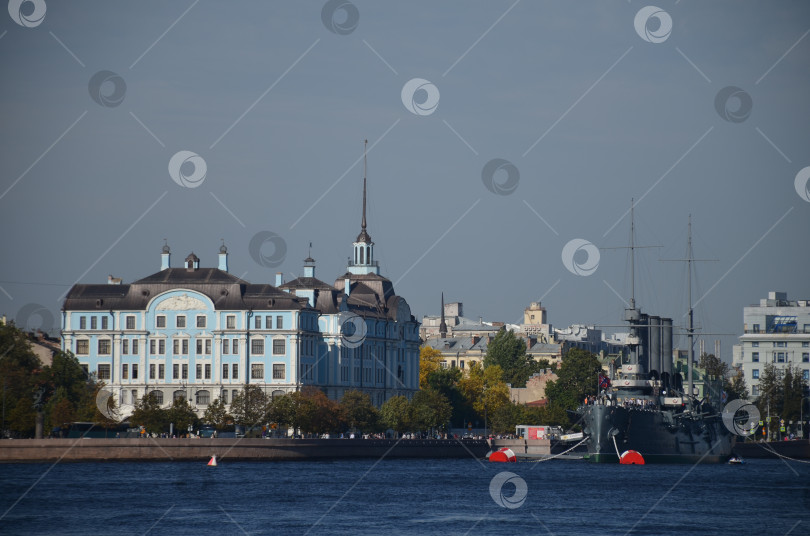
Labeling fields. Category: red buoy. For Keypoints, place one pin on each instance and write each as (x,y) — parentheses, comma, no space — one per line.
(503,454)
(631,457)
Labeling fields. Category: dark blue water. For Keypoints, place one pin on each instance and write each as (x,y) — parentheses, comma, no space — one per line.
(403,496)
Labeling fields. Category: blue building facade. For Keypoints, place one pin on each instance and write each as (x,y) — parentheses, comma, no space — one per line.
(203,334)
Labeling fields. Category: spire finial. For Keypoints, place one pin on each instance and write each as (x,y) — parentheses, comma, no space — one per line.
(365,168)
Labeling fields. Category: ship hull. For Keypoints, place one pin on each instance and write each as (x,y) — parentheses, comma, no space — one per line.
(659,436)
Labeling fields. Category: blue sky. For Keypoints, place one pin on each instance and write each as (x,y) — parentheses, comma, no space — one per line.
(588,111)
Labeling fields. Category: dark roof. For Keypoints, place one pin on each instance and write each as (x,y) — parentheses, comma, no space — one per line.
(307,283)
(225,290)
(377,284)
(184,276)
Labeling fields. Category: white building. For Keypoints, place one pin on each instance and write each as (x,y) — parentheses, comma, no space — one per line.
(776,331)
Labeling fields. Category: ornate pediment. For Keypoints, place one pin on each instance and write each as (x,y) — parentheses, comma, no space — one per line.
(183,302)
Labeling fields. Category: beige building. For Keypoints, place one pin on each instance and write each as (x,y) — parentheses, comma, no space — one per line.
(535,390)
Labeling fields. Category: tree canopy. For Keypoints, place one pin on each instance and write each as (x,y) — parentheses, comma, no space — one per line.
(508,351)
(577,378)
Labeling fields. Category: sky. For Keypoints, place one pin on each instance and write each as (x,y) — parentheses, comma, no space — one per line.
(506,140)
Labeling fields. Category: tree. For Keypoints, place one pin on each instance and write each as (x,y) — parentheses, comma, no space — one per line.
(484,390)
(282,411)
(429,409)
(576,379)
(182,415)
(216,414)
(249,406)
(445,381)
(395,413)
(430,361)
(509,352)
(736,388)
(150,415)
(315,412)
(19,367)
(359,412)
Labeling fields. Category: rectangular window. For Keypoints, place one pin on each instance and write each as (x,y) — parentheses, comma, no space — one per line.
(225,346)
(235,346)
(756,328)
(225,396)
(805,357)
(257,371)
(780,357)
(278,371)
(160,321)
(93,322)
(185,371)
(779,344)
(152,347)
(82,322)
(279,322)
(135,346)
(130,322)
(805,344)
(755,357)
(201,320)
(755,374)
(82,347)
(207,346)
(180,321)
(755,390)
(104,346)
(257,346)
(806,374)
(198,372)
(230,322)
(225,368)
(151,371)
(85,369)
(279,347)
(161,371)
(134,396)
(125,347)
(208,371)
(176,347)
(257,322)
(199,347)
(134,371)
(104,320)
(185,346)
(103,371)
(235,371)
(755,344)
(124,371)
(162,347)
(268,322)
(176,371)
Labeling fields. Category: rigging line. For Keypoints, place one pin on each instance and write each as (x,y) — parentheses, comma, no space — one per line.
(616,447)
(561,453)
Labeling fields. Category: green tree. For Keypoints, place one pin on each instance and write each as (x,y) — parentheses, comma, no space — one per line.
(484,390)
(150,415)
(19,369)
(446,381)
(429,410)
(359,412)
(315,412)
(577,378)
(181,414)
(249,406)
(395,413)
(216,414)
(282,411)
(509,352)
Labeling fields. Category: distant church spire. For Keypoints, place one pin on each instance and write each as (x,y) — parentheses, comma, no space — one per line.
(443,325)
(362,261)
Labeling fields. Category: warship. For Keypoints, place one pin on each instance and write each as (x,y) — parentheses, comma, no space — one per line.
(644,406)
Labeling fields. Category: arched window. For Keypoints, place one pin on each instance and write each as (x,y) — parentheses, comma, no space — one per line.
(158,396)
(362,249)
(278,393)
(203,398)
(179,394)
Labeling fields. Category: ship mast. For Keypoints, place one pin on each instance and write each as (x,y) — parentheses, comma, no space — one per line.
(691,328)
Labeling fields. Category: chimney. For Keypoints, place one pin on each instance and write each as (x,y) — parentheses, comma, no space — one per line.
(279,279)
(164,257)
(475,339)
(113,280)
(223,257)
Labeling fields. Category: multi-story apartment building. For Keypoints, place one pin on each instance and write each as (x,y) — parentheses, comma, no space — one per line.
(776,331)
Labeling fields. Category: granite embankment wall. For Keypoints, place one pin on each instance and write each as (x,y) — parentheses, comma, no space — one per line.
(150,449)
(798,448)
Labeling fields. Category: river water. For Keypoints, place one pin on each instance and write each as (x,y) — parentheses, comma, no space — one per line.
(405,497)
